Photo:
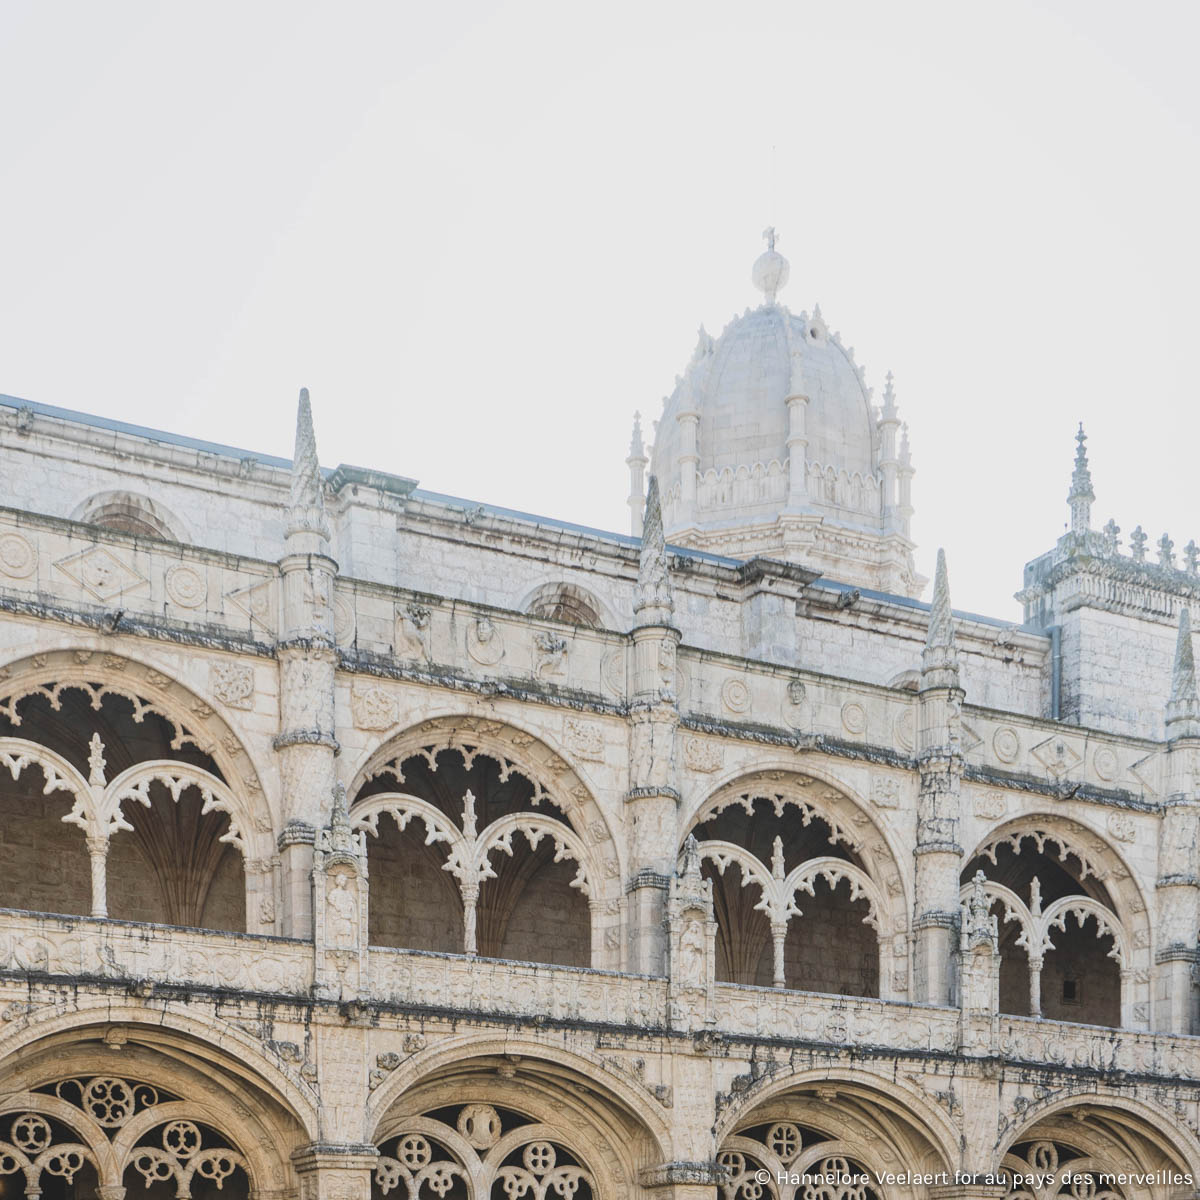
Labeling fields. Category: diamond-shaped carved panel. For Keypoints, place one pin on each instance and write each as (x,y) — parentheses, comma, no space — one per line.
(258,603)
(99,571)
(1057,755)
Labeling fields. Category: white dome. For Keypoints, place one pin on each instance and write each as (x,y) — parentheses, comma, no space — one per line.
(727,426)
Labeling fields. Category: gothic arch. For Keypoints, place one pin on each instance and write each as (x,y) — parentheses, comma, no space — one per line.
(222,1063)
(1100,860)
(141,1087)
(194,717)
(798,1122)
(876,877)
(1153,1126)
(905,1101)
(90,676)
(621,1125)
(469,845)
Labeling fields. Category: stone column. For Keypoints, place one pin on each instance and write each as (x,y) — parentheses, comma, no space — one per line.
(797,444)
(98,854)
(335,1171)
(938,855)
(307,658)
(689,457)
(1178,889)
(652,798)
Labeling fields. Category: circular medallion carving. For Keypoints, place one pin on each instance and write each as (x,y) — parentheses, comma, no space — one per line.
(906,731)
(1006,744)
(186,586)
(480,1125)
(854,717)
(485,642)
(1105,763)
(735,695)
(343,622)
(18,558)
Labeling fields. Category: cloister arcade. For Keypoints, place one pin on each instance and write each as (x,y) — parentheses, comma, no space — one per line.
(117,803)
(483,840)
(1070,918)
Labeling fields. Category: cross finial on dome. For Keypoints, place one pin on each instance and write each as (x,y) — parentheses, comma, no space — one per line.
(770,270)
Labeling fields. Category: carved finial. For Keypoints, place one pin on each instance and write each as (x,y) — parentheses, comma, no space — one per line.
(637,448)
(704,345)
(1080,496)
(469,828)
(1183,708)
(939,662)
(889,398)
(1166,552)
(1137,544)
(905,452)
(689,868)
(981,926)
(96,761)
(653,603)
(770,270)
(1035,896)
(306,513)
(341,834)
(1191,557)
(1112,540)
(777,858)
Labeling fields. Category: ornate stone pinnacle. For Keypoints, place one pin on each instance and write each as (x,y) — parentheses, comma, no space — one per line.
(777,871)
(1191,557)
(341,835)
(653,603)
(1112,540)
(469,819)
(1080,496)
(96,761)
(1183,708)
(306,513)
(889,398)
(1137,544)
(1166,552)
(689,868)
(939,661)
(637,448)
(980,925)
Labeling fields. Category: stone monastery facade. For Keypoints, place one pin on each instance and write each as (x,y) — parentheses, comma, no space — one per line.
(360,841)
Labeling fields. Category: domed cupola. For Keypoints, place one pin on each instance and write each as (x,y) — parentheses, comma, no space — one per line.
(769,446)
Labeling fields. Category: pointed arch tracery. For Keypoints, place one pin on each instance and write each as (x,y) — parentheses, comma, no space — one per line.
(1097,898)
(844,861)
(518,815)
(213,771)
(119,1128)
(481,1152)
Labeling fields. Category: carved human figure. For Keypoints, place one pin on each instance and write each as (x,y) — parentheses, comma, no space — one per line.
(691,956)
(342,923)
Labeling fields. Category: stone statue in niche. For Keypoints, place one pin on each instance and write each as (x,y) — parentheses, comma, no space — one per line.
(342,920)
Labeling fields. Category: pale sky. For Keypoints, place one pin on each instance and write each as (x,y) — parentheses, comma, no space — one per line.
(484,234)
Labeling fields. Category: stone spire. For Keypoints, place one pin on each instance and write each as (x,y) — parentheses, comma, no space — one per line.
(770,271)
(306,512)
(939,661)
(1080,496)
(1183,708)
(636,462)
(653,603)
